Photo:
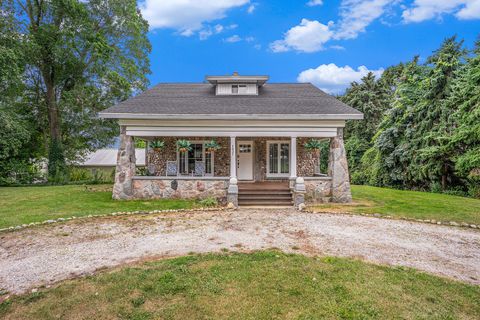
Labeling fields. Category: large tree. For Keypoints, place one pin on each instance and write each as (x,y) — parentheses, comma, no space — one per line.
(388,161)
(462,142)
(432,115)
(372,97)
(83,56)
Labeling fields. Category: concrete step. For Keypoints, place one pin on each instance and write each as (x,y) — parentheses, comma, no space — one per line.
(265,204)
(265,196)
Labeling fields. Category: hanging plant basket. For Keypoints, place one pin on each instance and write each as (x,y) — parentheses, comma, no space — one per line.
(157,145)
(212,146)
(313,146)
(184,145)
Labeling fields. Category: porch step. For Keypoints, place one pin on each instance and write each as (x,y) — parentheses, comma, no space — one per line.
(264,194)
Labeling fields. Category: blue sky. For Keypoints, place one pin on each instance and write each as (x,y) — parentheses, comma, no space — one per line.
(329,43)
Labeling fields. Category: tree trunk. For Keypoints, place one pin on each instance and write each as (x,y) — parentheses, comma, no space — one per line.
(53,116)
(444,177)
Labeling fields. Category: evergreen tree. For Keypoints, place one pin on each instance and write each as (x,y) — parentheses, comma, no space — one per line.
(388,161)
(431,116)
(463,142)
(372,97)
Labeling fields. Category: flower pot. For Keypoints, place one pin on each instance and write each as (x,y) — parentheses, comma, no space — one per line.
(183,149)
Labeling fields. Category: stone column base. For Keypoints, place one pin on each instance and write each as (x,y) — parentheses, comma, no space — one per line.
(299,194)
(232,194)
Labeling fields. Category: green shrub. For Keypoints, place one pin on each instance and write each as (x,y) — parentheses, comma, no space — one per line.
(436,187)
(93,176)
(209,202)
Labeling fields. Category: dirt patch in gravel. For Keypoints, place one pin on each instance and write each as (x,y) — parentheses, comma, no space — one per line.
(44,255)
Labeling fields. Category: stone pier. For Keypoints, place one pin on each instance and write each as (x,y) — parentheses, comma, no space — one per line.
(125,171)
(338,170)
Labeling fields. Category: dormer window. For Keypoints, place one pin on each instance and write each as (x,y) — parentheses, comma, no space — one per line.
(237,84)
(239,89)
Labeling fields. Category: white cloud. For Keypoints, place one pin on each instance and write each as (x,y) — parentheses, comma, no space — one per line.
(429,9)
(333,79)
(233,39)
(208,31)
(313,3)
(237,38)
(356,15)
(251,8)
(308,36)
(186,16)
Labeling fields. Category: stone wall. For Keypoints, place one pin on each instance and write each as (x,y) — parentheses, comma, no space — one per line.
(145,188)
(318,190)
(159,159)
(305,159)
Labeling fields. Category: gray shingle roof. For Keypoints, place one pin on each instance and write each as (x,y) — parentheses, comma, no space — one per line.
(199,99)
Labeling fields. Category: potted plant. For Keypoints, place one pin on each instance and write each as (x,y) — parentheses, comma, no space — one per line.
(212,146)
(157,145)
(313,145)
(184,145)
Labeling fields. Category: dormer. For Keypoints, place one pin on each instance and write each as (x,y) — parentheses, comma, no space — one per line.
(237,85)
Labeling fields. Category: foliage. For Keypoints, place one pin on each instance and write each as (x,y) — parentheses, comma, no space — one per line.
(157,144)
(56,163)
(208,202)
(257,285)
(421,127)
(70,60)
(184,145)
(313,145)
(140,143)
(94,176)
(212,146)
(372,97)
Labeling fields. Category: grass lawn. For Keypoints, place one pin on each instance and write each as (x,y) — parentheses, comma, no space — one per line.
(261,285)
(19,205)
(412,204)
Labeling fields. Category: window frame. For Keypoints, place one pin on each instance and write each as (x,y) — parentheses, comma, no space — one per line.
(204,156)
(279,174)
(237,86)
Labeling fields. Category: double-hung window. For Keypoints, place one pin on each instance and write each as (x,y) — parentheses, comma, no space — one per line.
(187,160)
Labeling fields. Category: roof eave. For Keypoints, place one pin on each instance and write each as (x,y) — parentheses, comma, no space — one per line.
(148,116)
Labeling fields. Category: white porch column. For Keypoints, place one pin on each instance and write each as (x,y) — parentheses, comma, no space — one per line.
(232,193)
(293,157)
(233,157)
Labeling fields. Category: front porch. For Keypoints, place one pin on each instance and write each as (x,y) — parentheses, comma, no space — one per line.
(260,161)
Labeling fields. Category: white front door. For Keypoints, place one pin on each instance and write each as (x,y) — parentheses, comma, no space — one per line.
(245,160)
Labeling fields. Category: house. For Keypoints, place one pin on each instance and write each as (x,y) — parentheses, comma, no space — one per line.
(261,128)
(106,160)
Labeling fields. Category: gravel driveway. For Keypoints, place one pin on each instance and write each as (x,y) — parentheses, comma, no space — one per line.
(44,255)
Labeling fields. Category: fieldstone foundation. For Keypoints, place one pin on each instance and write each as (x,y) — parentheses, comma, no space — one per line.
(318,190)
(123,189)
(144,188)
